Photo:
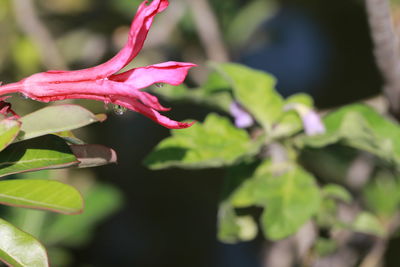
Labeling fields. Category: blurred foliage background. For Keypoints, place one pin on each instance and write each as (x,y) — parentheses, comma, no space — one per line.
(138,217)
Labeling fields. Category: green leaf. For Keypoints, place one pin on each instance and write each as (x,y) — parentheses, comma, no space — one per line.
(382,195)
(326,216)
(290,122)
(100,202)
(337,192)
(247,21)
(361,127)
(233,228)
(69,137)
(8,131)
(93,155)
(325,246)
(228,230)
(235,184)
(255,90)
(19,249)
(46,152)
(290,201)
(369,224)
(41,194)
(54,119)
(215,93)
(214,143)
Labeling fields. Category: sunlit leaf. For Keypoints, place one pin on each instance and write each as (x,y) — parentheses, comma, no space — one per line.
(290,122)
(382,195)
(8,131)
(214,143)
(337,192)
(46,152)
(19,249)
(41,194)
(54,119)
(369,224)
(290,201)
(361,127)
(233,228)
(255,90)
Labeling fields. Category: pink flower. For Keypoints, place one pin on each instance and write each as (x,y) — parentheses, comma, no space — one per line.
(103,84)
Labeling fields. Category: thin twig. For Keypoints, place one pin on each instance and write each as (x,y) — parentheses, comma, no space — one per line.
(377,252)
(30,23)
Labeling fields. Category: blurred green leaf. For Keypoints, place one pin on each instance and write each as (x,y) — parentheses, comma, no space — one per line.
(337,192)
(244,195)
(235,184)
(325,246)
(255,90)
(100,202)
(368,223)
(233,228)
(126,7)
(46,152)
(60,257)
(41,194)
(19,249)
(53,119)
(215,92)
(214,143)
(248,228)
(8,131)
(228,229)
(330,163)
(327,214)
(382,195)
(216,83)
(247,20)
(290,200)
(26,57)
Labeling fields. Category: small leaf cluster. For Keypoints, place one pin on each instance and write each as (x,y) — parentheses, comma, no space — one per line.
(38,141)
(278,179)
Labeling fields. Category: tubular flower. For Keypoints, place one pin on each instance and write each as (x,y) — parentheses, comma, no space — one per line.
(242,118)
(312,123)
(103,84)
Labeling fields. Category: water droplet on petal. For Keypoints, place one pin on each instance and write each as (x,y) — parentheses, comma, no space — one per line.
(159,85)
(119,110)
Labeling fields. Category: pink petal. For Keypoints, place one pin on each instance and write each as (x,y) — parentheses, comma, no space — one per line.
(59,91)
(171,72)
(132,105)
(152,114)
(138,32)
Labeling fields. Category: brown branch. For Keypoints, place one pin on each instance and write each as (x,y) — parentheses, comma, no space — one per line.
(207,27)
(375,257)
(386,50)
(29,22)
